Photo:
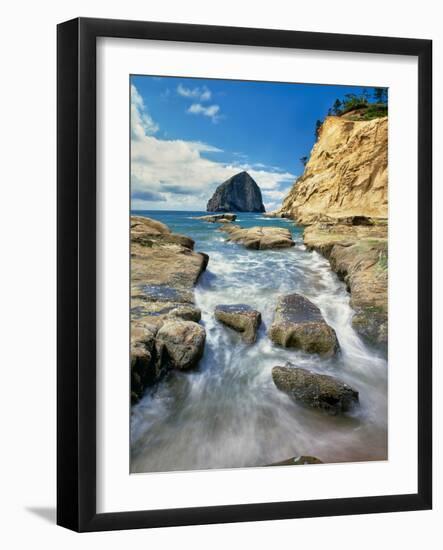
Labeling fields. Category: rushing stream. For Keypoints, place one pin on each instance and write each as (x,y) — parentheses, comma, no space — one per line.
(228,413)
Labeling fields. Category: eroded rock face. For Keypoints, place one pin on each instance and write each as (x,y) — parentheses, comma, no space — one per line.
(319,391)
(237,194)
(346,175)
(259,238)
(180,344)
(241,318)
(359,255)
(298,323)
(218,218)
(164,270)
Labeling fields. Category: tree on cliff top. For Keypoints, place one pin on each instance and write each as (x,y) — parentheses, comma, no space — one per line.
(381,95)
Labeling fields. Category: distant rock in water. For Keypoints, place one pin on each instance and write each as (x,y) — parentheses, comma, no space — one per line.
(237,194)
(217,218)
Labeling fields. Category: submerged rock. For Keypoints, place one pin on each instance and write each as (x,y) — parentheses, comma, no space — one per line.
(241,318)
(298,323)
(237,194)
(320,391)
(297,461)
(259,238)
(180,344)
(218,218)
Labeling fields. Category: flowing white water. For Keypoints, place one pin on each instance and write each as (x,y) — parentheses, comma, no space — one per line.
(228,413)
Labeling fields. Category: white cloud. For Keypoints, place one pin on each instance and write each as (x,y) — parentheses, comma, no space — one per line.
(141,121)
(200,94)
(211,111)
(275,195)
(176,174)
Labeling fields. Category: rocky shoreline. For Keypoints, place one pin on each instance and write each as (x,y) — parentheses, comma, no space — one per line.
(359,256)
(166,333)
(271,366)
(342,201)
(165,329)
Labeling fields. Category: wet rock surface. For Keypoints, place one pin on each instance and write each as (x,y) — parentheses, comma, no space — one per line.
(359,255)
(241,318)
(259,238)
(165,333)
(180,344)
(298,323)
(319,391)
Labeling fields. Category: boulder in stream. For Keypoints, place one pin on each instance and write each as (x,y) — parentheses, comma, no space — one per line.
(180,344)
(320,391)
(241,318)
(298,323)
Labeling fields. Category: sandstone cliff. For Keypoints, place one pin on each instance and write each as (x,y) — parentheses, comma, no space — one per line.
(346,175)
(237,194)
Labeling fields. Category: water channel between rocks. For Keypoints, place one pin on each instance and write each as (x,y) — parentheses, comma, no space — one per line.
(228,413)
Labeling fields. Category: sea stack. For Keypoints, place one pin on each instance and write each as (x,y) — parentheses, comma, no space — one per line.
(240,193)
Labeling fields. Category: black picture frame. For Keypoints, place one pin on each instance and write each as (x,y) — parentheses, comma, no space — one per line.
(76,280)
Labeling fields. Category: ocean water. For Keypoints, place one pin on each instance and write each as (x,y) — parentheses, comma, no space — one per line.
(228,413)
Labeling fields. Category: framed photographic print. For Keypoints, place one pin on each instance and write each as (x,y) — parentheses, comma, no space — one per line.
(244,274)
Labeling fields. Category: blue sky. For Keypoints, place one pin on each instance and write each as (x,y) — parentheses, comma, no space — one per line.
(188,135)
